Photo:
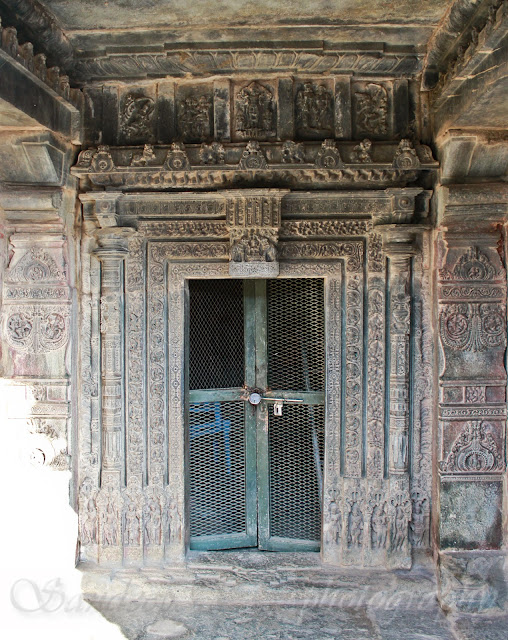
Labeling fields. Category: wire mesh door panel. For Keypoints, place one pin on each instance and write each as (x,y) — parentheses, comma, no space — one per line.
(255,478)
(220,429)
(291,447)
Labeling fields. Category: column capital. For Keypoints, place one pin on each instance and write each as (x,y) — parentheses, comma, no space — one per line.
(399,240)
(104,206)
(113,242)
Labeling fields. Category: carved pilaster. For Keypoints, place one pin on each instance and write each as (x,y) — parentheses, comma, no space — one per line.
(471,308)
(111,252)
(398,245)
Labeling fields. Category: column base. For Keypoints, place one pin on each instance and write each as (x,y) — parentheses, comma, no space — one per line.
(473,581)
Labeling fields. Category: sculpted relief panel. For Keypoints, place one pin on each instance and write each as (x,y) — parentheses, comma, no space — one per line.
(263,109)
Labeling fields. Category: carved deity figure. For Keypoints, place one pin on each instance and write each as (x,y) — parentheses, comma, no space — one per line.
(194,117)
(153,523)
(89,523)
(109,532)
(355,526)
(417,525)
(400,528)
(136,115)
(253,245)
(378,526)
(314,108)
(255,112)
(175,521)
(334,525)
(372,108)
(131,525)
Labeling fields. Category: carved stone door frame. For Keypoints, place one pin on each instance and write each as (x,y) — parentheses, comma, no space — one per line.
(177,273)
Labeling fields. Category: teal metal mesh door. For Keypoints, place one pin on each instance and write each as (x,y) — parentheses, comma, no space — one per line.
(255,478)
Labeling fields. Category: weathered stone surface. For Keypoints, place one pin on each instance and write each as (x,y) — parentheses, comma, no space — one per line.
(471,515)
(481,628)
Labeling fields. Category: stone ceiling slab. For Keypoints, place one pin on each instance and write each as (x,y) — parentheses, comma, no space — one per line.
(114,14)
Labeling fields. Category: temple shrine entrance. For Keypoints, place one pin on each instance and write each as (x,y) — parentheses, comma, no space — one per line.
(255,413)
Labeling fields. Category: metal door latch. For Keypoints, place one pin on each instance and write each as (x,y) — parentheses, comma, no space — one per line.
(277,408)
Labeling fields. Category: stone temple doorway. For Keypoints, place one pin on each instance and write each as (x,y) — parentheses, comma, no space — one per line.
(255,413)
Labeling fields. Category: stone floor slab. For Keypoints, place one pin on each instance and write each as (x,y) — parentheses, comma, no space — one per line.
(481,627)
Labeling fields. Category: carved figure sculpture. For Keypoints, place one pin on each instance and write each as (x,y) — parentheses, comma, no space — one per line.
(334,524)
(174,521)
(89,523)
(361,152)
(253,245)
(153,523)
(136,116)
(400,528)
(314,108)
(145,158)
(255,112)
(131,525)
(194,117)
(372,109)
(109,533)
(292,153)
(378,526)
(212,153)
(355,526)
(417,525)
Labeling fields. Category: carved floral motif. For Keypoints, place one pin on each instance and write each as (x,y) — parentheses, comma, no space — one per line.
(474,265)
(38,329)
(406,156)
(474,451)
(253,157)
(328,157)
(473,326)
(37,265)
(177,159)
